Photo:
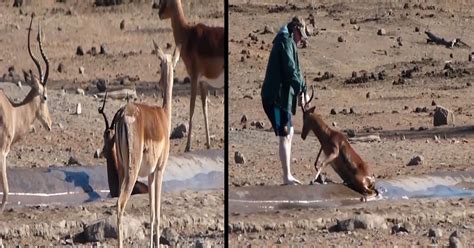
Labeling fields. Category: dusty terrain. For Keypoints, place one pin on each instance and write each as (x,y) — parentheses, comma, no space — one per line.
(128,63)
(382,106)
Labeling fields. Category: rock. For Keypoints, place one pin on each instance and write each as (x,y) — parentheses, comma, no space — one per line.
(352,21)
(239,158)
(340,39)
(107,228)
(352,111)
(101,84)
(80,91)
(61,68)
(381,32)
(351,133)
(417,160)
(168,45)
(441,116)
(122,25)
(259,125)
(79,51)
(179,132)
(243,120)
(103,49)
(93,51)
(78,108)
(73,161)
(435,232)
(362,221)
(202,244)
(433,103)
(470,57)
(268,30)
(399,228)
(17,3)
(356,27)
(333,111)
(417,29)
(406,6)
(455,240)
(97,153)
(367,95)
(169,236)
(81,70)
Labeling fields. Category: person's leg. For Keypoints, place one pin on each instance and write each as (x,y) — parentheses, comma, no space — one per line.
(286,136)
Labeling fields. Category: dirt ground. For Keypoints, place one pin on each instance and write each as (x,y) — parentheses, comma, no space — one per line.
(129,63)
(385,106)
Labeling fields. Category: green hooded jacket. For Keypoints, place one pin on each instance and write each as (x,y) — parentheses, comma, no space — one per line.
(283,80)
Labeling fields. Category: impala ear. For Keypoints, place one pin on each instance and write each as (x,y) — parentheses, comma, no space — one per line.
(176,55)
(311,110)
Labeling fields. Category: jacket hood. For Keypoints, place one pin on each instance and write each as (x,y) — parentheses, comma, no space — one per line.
(284,32)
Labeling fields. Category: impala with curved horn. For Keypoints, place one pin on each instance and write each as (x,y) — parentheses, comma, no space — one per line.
(142,139)
(16,119)
(110,154)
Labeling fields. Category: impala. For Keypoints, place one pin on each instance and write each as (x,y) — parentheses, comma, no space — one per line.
(142,139)
(202,51)
(16,119)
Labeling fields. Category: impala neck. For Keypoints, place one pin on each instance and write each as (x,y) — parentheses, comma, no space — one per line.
(179,23)
(320,129)
(25,114)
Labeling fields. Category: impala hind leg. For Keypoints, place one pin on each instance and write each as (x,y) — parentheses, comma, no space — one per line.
(194,86)
(314,181)
(204,110)
(151,194)
(3,171)
(125,193)
(158,184)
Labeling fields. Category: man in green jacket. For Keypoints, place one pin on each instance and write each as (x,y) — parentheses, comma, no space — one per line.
(283,83)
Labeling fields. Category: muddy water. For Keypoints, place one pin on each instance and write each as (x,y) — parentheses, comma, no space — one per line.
(268,198)
(201,170)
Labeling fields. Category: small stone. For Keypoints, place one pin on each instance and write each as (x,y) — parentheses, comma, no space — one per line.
(61,68)
(169,236)
(179,132)
(93,51)
(268,30)
(122,25)
(417,160)
(340,39)
(352,21)
(101,85)
(367,95)
(417,29)
(435,232)
(470,58)
(259,125)
(351,133)
(356,27)
(103,49)
(81,70)
(239,158)
(441,116)
(168,45)
(78,109)
(352,111)
(73,161)
(381,32)
(97,153)
(80,91)
(433,103)
(243,120)
(333,111)
(79,51)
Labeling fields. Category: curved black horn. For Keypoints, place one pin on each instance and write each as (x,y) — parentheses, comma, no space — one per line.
(101,111)
(46,61)
(29,48)
(312,95)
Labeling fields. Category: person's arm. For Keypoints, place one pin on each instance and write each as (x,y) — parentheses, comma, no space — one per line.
(292,75)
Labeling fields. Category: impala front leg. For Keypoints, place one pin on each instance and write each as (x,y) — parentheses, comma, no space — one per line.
(327,161)
(3,171)
(204,110)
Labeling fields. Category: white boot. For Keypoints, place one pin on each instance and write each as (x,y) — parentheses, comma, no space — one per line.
(285,158)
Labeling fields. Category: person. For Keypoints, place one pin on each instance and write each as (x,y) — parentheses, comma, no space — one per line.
(282,84)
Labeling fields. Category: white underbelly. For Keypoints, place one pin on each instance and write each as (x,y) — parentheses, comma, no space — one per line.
(216,82)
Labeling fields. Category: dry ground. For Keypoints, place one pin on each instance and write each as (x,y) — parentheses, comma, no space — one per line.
(389,110)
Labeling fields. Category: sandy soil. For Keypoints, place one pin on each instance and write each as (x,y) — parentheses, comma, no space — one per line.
(389,110)
(78,23)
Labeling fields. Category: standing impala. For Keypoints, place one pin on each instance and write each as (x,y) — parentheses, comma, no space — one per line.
(202,50)
(142,139)
(16,118)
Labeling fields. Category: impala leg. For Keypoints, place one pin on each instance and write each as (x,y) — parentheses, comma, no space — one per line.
(125,192)
(158,184)
(327,161)
(151,194)
(204,110)
(194,85)
(3,171)
(317,158)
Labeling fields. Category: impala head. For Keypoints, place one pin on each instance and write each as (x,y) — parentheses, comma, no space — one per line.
(38,84)
(167,65)
(109,131)
(165,7)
